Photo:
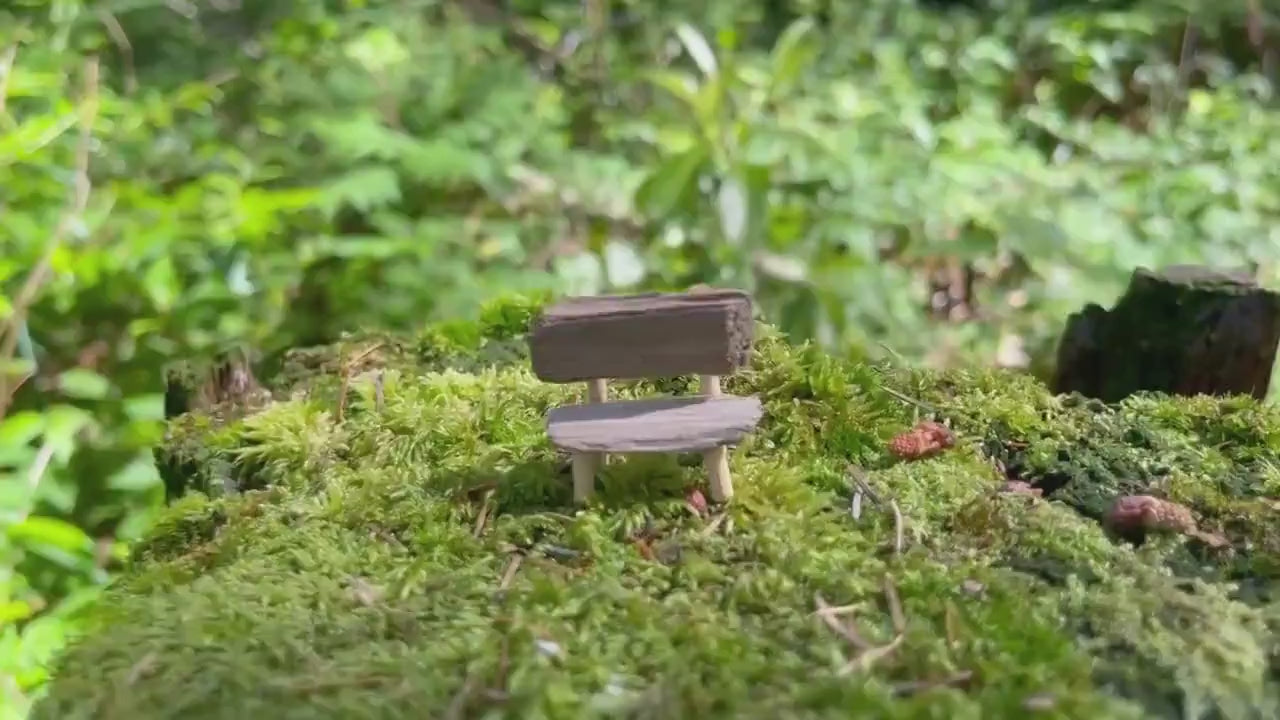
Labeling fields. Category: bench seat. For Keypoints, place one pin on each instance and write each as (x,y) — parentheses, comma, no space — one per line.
(659,425)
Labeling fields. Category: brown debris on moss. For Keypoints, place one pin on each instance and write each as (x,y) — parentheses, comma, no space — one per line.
(1140,514)
(924,440)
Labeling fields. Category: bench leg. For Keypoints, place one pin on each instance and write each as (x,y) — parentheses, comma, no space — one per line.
(584,476)
(585,465)
(716,460)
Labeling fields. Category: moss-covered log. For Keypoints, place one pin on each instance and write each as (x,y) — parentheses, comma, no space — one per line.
(1186,331)
(420,557)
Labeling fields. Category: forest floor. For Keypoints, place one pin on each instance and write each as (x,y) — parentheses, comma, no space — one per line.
(394,537)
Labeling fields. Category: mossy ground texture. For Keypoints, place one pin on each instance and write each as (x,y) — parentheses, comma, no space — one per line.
(402,544)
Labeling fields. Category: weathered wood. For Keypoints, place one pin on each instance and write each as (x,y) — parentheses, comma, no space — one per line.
(680,424)
(1186,330)
(643,336)
(586,464)
(716,460)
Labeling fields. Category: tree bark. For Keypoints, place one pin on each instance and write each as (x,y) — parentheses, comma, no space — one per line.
(1186,330)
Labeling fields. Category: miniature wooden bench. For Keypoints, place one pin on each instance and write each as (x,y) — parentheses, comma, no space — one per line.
(634,337)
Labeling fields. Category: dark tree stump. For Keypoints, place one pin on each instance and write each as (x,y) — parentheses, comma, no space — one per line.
(1185,331)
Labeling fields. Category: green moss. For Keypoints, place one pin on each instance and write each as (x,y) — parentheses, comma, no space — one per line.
(419,557)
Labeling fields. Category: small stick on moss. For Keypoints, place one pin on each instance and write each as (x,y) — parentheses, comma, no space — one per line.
(509,574)
(895,606)
(961,680)
(458,705)
(141,668)
(828,615)
(862,487)
(865,660)
(346,367)
(903,397)
(870,654)
(714,525)
(483,518)
(922,405)
(897,527)
(378,399)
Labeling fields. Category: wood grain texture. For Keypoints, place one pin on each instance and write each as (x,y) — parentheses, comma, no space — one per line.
(682,424)
(1185,330)
(653,335)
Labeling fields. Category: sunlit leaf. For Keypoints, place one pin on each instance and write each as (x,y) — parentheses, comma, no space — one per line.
(83,384)
(139,474)
(51,532)
(792,55)
(733,205)
(695,43)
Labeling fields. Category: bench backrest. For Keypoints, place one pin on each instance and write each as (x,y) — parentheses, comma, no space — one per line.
(653,335)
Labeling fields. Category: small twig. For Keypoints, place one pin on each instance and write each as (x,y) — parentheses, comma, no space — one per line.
(869,654)
(714,525)
(34,475)
(895,606)
(922,405)
(863,488)
(343,387)
(483,518)
(959,680)
(458,705)
(864,661)
(897,527)
(378,400)
(346,367)
(141,668)
(828,615)
(509,574)
(896,355)
(118,36)
(908,399)
(364,354)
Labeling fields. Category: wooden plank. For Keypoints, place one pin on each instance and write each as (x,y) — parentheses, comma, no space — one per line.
(681,424)
(643,336)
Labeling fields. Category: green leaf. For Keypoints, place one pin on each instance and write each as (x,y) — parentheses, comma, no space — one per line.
(792,55)
(679,86)
(145,407)
(695,43)
(21,428)
(64,422)
(161,284)
(140,474)
(14,611)
(51,532)
(671,183)
(363,188)
(83,384)
(733,206)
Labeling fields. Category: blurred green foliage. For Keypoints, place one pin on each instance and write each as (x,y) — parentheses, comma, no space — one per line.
(181,177)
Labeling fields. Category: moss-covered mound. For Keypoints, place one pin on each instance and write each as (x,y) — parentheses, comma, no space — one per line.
(394,538)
